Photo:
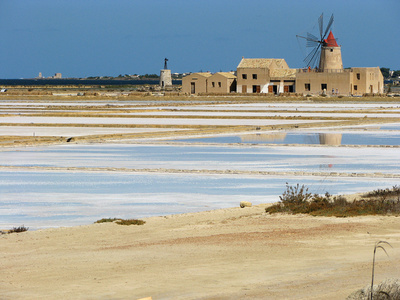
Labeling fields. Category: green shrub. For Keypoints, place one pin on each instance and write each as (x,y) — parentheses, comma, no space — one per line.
(18,229)
(130,222)
(106,220)
(296,199)
(121,221)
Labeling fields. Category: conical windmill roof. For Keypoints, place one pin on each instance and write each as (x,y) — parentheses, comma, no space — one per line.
(331,41)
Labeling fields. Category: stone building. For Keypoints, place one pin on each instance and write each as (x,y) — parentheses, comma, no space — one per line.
(273,76)
(264,75)
(195,83)
(165,76)
(331,79)
(221,83)
(207,83)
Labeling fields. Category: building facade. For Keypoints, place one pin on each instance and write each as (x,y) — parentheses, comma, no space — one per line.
(273,76)
(264,75)
(221,83)
(207,83)
(195,83)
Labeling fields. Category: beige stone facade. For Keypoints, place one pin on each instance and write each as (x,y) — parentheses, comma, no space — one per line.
(195,83)
(221,83)
(262,75)
(354,81)
(165,78)
(273,76)
(207,83)
(366,81)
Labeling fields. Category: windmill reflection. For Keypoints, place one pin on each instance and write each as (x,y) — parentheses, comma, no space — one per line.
(263,137)
(332,139)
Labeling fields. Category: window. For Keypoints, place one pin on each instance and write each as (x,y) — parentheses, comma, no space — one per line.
(219,84)
(355,88)
(324,86)
(358,76)
(213,84)
(254,76)
(244,76)
(307,86)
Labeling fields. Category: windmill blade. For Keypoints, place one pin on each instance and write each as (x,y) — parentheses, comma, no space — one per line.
(315,57)
(312,40)
(328,27)
(312,56)
(321,24)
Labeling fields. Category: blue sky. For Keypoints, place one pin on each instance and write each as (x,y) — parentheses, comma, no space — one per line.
(111,37)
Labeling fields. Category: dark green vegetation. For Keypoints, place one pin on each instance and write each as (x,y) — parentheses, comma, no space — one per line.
(18,229)
(297,200)
(122,221)
(387,74)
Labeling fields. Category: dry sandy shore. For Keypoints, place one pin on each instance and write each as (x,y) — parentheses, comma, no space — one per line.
(237,253)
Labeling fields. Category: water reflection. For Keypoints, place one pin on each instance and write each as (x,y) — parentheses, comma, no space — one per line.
(263,137)
(307,138)
(324,138)
(330,138)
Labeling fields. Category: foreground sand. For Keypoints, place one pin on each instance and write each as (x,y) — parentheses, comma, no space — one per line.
(235,253)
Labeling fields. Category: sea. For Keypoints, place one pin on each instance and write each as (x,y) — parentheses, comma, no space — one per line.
(90,82)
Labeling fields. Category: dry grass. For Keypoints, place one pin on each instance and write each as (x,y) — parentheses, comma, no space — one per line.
(121,221)
(296,200)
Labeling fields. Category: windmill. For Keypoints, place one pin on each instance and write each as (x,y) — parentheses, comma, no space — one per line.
(320,46)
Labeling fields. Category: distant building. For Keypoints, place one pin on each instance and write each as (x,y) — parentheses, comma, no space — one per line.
(221,83)
(57,76)
(262,75)
(195,83)
(273,76)
(165,76)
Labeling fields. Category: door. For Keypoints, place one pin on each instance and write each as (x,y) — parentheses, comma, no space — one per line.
(256,89)
(192,88)
(244,89)
(270,89)
(286,89)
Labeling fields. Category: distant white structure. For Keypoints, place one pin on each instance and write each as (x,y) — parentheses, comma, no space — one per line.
(57,76)
(165,76)
(40,75)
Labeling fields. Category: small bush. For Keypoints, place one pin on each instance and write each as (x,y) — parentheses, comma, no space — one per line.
(18,229)
(106,220)
(130,222)
(394,192)
(296,199)
(121,221)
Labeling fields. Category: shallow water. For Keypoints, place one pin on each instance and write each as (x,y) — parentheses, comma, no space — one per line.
(304,138)
(38,199)
(241,158)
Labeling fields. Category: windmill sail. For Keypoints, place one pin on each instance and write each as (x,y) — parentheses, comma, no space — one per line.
(316,43)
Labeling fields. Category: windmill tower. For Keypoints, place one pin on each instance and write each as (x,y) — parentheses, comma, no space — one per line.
(326,48)
(165,76)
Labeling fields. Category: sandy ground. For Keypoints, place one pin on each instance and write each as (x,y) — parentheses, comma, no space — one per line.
(237,253)
(222,254)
